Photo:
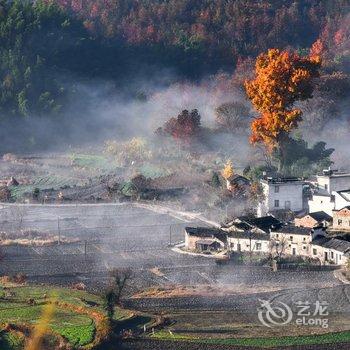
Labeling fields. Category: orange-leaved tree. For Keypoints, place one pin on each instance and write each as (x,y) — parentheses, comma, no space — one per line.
(281,79)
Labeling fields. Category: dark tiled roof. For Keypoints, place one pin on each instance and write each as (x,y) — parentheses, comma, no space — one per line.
(338,244)
(239,225)
(294,230)
(281,180)
(333,243)
(236,177)
(320,216)
(347,207)
(207,232)
(264,223)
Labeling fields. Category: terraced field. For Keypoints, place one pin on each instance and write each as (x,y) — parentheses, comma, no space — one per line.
(126,235)
(72,312)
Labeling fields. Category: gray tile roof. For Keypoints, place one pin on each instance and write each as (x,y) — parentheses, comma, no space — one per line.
(294,230)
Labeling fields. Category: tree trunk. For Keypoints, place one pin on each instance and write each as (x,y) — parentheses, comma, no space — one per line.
(281,153)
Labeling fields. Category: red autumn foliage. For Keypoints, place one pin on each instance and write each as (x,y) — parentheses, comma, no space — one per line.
(184,127)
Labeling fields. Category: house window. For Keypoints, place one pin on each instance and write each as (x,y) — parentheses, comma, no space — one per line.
(258,246)
(277,189)
(291,238)
(287,205)
(304,239)
(277,235)
(326,187)
(277,203)
(232,245)
(304,247)
(314,251)
(340,221)
(332,255)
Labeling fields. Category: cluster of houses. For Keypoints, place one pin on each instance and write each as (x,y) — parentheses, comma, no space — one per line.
(320,228)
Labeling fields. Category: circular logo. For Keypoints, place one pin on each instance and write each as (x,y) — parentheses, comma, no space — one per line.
(274,313)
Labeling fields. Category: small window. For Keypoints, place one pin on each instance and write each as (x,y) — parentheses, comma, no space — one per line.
(304,238)
(277,203)
(258,246)
(314,251)
(232,245)
(326,187)
(277,189)
(277,235)
(332,255)
(290,245)
(304,247)
(291,238)
(340,221)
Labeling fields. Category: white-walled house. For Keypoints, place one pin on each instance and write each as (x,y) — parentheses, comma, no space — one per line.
(341,199)
(333,180)
(293,240)
(331,250)
(251,242)
(321,201)
(332,192)
(281,194)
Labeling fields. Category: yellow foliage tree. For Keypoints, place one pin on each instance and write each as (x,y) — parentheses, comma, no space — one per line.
(227,172)
(281,79)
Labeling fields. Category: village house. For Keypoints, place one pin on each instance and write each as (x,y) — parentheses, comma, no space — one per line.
(205,239)
(318,219)
(341,219)
(331,250)
(237,183)
(281,194)
(293,240)
(341,199)
(321,201)
(251,242)
(331,191)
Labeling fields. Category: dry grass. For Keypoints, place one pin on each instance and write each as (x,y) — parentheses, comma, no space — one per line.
(32,238)
(173,291)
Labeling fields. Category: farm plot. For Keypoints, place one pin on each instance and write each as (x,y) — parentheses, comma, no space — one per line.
(74,312)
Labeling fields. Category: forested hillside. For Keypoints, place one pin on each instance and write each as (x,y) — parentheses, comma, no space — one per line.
(218,31)
(49,47)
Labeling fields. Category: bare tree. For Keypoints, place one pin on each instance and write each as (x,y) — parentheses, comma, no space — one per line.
(277,247)
(233,116)
(112,296)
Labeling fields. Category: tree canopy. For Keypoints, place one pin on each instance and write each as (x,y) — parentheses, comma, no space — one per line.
(281,79)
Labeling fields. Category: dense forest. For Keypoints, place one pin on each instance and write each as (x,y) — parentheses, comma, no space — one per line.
(43,42)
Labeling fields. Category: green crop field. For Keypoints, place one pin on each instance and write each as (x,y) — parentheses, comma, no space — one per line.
(91,161)
(24,305)
(328,338)
(43,183)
